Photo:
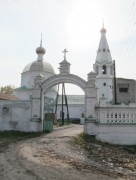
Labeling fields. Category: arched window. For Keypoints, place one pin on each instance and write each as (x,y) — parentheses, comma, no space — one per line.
(104,69)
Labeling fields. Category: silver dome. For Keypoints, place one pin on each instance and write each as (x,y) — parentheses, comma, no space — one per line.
(39,66)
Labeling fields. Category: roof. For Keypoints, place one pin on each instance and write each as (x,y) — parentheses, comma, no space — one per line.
(39,66)
(7,97)
(73,99)
(103,53)
(23,88)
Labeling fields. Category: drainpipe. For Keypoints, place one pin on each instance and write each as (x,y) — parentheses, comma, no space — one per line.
(115,89)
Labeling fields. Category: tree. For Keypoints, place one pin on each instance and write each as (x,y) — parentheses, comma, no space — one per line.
(9,89)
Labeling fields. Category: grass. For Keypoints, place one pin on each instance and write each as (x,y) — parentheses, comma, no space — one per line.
(84,139)
(8,137)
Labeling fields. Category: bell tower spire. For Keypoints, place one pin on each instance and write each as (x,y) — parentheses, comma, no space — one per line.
(103,67)
(103,52)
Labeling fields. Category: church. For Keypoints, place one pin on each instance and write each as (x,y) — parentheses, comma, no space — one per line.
(103,68)
(108,106)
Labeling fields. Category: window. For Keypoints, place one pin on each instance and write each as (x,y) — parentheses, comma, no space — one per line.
(5,112)
(123,90)
(104,84)
(103,50)
(104,70)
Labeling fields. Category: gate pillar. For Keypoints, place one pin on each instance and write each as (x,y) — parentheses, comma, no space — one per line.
(36,123)
(90,97)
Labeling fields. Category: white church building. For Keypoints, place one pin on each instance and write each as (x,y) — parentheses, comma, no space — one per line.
(108,122)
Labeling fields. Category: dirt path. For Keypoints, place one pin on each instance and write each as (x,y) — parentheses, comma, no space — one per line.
(49,157)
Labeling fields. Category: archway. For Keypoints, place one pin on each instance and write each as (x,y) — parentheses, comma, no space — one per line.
(42,87)
(59,79)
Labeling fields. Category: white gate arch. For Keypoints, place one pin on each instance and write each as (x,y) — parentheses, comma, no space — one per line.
(57,79)
(42,86)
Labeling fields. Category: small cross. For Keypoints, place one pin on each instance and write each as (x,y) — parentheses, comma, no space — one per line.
(103,23)
(41,41)
(65,51)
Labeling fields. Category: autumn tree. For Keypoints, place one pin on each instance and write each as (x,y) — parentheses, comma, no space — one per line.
(9,89)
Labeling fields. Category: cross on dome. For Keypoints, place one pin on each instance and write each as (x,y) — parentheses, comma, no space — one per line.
(103,23)
(41,41)
(65,51)
(40,51)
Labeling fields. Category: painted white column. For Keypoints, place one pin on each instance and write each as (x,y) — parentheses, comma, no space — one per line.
(90,96)
(36,123)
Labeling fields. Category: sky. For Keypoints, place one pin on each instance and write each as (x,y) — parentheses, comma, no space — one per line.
(71,24)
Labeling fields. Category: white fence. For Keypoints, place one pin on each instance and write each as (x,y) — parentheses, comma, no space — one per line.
(115,124)
(116,114)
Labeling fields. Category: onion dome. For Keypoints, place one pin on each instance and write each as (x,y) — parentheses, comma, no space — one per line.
(39,65)
(103,30)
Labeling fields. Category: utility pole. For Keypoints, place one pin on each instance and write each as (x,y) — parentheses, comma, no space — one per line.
(56,105)
(62,105)
(115,89)
(66,103)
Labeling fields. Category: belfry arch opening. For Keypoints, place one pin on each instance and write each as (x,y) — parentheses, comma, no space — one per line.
(104,69)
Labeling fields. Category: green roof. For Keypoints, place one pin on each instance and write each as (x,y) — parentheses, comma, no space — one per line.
(22,88)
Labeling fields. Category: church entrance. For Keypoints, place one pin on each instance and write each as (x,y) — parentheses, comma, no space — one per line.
(62,108)
(59,108)
(43,87)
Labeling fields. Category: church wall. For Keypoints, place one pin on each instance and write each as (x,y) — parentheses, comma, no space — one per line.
(16,115)
(27,78)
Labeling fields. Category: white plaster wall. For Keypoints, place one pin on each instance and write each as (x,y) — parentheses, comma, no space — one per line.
(27,78)
(115,124)
(75,111)
(90,107)
(17,116)
(116,114)
(23,95)
(90,128)
(113,134)
(106,90)
(117,134)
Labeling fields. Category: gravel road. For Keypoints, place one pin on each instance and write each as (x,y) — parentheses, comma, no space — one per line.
(49,157)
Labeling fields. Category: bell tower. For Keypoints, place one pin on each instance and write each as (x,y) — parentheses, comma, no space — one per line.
(103,68)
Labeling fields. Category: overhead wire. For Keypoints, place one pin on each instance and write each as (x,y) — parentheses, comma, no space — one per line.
(125,51)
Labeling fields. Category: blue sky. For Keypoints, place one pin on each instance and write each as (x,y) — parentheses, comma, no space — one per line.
(71,24)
